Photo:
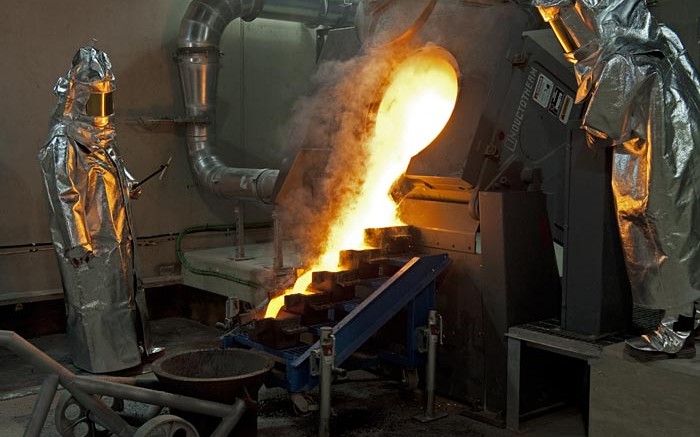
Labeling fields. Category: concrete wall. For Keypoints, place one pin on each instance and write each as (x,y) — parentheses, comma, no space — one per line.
(266,66)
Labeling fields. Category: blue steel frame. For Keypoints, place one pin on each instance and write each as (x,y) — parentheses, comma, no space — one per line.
(413,287)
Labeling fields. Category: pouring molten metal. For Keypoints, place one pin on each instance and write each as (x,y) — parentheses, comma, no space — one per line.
(415,108)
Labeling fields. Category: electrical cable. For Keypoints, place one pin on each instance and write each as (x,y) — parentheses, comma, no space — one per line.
(214,228)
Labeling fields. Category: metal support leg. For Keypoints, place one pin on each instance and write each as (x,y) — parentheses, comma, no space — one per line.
(144,323)
(434,336)
(513,397)
(229,422)
(326,356)
(240,232)
(278,261)
(42,406)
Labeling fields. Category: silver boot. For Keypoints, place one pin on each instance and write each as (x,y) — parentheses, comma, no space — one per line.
(670,340)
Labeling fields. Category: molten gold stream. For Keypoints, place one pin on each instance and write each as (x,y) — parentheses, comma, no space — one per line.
(415,108)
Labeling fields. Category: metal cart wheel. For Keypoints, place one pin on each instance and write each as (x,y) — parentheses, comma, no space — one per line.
(74,420)
(410,378)
(303,404)
(166,426)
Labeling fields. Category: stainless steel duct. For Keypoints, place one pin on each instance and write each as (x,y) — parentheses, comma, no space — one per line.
(198,61)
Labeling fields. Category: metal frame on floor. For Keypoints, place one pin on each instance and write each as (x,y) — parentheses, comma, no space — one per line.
(412,287)
(550,337)
(84,388)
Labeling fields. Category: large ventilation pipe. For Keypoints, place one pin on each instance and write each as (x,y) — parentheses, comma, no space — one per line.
(198,61)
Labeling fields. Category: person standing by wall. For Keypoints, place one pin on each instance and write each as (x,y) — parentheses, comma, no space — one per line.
(91,224)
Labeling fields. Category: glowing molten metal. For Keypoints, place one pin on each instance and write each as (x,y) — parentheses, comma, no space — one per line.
(415,108)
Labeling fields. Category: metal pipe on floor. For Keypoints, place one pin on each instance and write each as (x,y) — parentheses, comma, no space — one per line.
(227,423)
(83,388)
(105,416)
(327,358)
(145,381)
(101,412)
(42,406)
(14,342)
(155,397)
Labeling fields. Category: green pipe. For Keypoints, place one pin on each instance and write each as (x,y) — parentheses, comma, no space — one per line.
(214,228)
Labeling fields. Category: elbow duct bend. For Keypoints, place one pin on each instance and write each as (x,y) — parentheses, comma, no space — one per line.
(198,62)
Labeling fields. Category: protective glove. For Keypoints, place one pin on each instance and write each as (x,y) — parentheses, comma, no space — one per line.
(79,256)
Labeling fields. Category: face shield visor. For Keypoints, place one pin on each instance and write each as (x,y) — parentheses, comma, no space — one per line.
(99,105)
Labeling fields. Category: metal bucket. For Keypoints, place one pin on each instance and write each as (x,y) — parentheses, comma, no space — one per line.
(219,375)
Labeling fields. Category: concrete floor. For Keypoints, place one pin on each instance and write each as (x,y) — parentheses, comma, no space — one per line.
(644,399)
(364,406)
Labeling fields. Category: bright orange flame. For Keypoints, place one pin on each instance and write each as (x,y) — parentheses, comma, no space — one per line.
(414,110)
(300,286)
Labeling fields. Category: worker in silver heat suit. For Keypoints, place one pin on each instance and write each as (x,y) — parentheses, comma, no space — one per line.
(91,223)
(643,98)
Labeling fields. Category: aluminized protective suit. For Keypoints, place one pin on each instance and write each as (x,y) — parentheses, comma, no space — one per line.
(644,98)
(90,220)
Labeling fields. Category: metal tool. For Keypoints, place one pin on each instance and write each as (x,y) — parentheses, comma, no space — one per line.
(161,172)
